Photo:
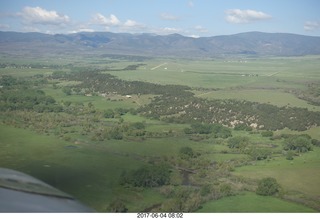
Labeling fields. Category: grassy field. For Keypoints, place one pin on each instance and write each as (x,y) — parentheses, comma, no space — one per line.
(301,174)
(88,172)
(252,203)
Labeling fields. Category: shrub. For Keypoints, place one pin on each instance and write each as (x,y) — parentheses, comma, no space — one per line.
(117,206)
(267,134)
(186,152)
(298,143)
(268,186)
(147,176)
(238,142)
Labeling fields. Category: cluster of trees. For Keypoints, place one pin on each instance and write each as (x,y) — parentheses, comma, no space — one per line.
(217,130)
(147,176)
(311,94)
(19,95)
(300,144)
(229,112)
(95,82)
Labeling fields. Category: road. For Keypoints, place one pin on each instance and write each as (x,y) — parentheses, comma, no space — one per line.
(158,66)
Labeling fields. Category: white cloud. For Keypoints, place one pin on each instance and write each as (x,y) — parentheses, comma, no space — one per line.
(4,26)
(82,30)
(201,29)
(168,30)
(170,17)
(311,25)
(237,16)
(112,20)
(37,15)
(132,26)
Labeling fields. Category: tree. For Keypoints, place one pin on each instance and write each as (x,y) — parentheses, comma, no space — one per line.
(108,113)
(239,142)
(147,176)
(267,134)
(267,186)
(298,143)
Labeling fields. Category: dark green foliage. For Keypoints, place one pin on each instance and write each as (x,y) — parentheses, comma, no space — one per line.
(259,153)
(225,189)
(138,125)
(315,142)
(267,186)
(109,113)
(243,127)
(267,134)
(8,81)
(298,143)
(220,111)
(117,206)
(147,176)
(289,155)
(239,142)
(67,90)
(28,99)
(58,74)
(183,199)
(186,152)
(217,130)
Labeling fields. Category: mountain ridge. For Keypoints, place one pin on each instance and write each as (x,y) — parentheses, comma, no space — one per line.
(173,45)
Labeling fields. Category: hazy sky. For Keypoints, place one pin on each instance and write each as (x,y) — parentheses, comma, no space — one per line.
(186,17)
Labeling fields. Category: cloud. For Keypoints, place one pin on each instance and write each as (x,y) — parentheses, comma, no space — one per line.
(82,30)
(131,25)
(170,17)
(37,15)
(311,25)
(168,30)
(4,26)
(201,29)
(237,16)
(112,20)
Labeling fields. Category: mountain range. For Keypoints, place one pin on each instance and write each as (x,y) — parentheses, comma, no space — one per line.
(174,45)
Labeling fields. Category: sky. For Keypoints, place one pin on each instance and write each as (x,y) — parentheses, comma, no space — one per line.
(194,18)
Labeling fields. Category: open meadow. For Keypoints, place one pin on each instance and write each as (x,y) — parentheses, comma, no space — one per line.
(95,131)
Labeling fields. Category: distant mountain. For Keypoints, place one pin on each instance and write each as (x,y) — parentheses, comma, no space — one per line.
(174,45)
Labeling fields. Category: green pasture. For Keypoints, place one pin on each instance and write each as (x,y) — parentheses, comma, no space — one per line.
(300,174)
(88,172)
(99,102)
(252,203)
(25,72)
(314,132)
(224,73)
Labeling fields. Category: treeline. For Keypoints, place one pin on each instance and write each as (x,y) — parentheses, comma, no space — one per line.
(94,82)
(175,103)
(229,113)
(18,95)
(311,94)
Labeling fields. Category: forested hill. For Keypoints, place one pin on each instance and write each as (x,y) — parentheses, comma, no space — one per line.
(174,45)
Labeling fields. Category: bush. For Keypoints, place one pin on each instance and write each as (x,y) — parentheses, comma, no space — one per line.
(186,152)
(238,142)
(298,143)
(315,142)
(147,176)
(267,186)
(267,134)
(117,206)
